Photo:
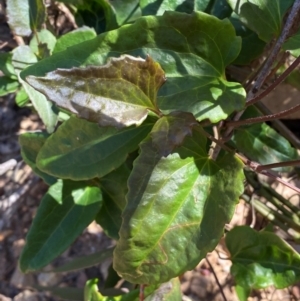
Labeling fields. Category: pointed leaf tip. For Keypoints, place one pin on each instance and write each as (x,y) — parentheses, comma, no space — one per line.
(116,94)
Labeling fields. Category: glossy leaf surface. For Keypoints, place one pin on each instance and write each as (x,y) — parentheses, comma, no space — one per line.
(23,57)
(8,85)
(81,150)
(261,259)
(6,65)
(126,11)
(43,43)
(154,7)
(116,94)
(259,142)
(252,45)
(169,131)
(114,189)
(74,37)
(25,16)
(193,50)
(31,144)
(177,207)
(65,211)
(265,17)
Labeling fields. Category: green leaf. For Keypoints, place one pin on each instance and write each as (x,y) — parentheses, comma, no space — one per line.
(91,292)
(252,46)
(98,14)
(112,278)
(74,37)
(176,209)
(22,97)
(25,16)
(116,94)
(261,259)
(193,50)
(221,9)
(8,85)
(65,211)
(6,65)
(169,291)
(265,17)
(259,142)
(126,11)
(21,59)
(43,43)
(84,262)
(65,293)
(169,131)
(293,44)
(81,150)
(31,144)
(114,189)
(154,7)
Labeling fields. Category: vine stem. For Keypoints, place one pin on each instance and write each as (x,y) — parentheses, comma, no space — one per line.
(276,49)
(216,278)
(280,79)
(264,118)
(254,165)
(264,72)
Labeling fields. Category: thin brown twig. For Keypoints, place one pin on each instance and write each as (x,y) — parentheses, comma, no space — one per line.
(280,79)
(264,118)
(259,168)
(276,49)
(216,278)
(293,15)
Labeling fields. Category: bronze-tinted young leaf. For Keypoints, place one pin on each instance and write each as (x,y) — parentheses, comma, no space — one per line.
(193,50)
(170,131)
(117,94)
(176,210)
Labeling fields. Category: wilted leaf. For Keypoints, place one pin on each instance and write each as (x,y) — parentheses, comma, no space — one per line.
(261,259)
(265,17)
(25,16)
(259,142)
(176,209)
(65,211)
(117,94)
(193,50)
(31,144)
(81,150)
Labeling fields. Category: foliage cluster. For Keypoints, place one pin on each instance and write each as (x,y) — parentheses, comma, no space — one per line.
(139,105)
